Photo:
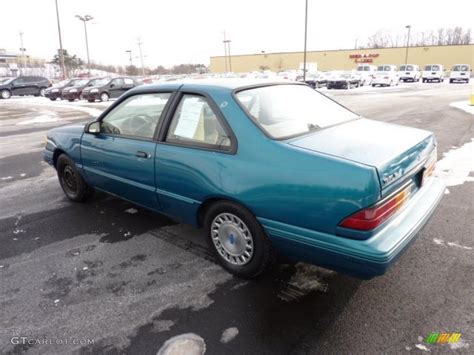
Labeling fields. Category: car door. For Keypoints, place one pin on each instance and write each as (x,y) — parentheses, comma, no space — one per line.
(116,88)
(192,155)
(121,158)
(19,86)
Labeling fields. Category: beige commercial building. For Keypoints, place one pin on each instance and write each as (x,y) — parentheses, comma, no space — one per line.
(347,59)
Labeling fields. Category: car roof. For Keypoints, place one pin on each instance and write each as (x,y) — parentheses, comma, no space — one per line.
(204,84)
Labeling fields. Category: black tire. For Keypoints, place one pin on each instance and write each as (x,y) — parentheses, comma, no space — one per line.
(262,251)
(71,181)
(5,94)
(91,100)
(71,100)
(53,98)
(104,97)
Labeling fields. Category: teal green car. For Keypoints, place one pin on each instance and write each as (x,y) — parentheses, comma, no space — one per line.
(263,167)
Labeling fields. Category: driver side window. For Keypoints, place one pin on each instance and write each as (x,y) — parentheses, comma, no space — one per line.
(137,116)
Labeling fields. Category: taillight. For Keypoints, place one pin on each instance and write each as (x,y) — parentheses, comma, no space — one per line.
(372,217)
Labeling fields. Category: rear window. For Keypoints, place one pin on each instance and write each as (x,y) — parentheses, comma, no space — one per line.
(460,68)
(435,67)
(409,67)
(284,111)
(402,68)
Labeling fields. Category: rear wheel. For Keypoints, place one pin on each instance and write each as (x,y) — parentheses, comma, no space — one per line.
(71,181)
(42,91)
(237,239)
(104,97)
(53,98)
(71,100)
(5,94)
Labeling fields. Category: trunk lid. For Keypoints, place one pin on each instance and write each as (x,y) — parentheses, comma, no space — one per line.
(397,152)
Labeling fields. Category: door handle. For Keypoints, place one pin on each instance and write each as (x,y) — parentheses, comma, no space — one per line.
(141,154)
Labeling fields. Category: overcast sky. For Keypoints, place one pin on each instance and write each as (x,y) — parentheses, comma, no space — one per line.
(186,31)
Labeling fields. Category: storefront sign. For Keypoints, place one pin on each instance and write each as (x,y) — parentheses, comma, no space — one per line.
(363,58)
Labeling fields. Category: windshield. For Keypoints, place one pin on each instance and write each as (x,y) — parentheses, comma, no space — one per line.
(6,80)
(81,82)
(460,68)
(384,68)
(283,111)
(99,82)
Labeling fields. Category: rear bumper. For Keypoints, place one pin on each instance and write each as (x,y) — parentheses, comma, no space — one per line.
(361,258)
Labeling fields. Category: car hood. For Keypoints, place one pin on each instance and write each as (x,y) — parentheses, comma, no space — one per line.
(77,128)
(392,149)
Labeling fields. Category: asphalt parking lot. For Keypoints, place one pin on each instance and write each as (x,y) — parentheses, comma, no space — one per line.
(119,279)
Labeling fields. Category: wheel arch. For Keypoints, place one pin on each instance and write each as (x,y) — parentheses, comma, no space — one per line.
(56,154)
(207,203)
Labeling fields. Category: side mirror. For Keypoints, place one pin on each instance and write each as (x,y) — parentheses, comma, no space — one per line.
(93,128)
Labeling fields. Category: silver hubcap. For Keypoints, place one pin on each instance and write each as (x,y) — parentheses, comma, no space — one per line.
(42,92)
(5,94)
(104,97)
(232,239)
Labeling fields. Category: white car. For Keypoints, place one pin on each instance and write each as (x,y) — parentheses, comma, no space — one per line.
(409,72)
(460,72)
(386,75)
(433,72)
(365,73)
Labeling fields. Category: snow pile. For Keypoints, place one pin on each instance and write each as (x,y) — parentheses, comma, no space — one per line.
(456,165)
(463,105)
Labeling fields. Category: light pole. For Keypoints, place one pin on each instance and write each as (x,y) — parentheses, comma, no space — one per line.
(408,43)
(129,51)
(225,53)
(85,19)
(227,43)
(22,50)
(141,55)
(305,39)
(61,54)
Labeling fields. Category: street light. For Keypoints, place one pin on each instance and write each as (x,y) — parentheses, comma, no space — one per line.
(139,43)
(61,54)
(85,19)
(305,39)
(129,51)
(227,44)
(408,43)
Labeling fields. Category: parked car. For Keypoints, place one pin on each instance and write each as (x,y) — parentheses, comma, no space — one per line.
(344,80)
(386,75)
(24,85)
(317,80)
(409,72)
(365,72)
(109,88)
(74,92)
(262,167)
(55,92)
(433,72)
(460,72)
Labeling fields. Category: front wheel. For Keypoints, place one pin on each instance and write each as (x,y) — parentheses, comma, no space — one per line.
(5,94)
(71,181)
(104,97)
(237,239)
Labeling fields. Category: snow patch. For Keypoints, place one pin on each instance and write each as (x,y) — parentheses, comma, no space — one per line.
(451,244)
(456,165)
(459,345)
(229,334)
(463,105)
(132,210)
(39,119)
(7,178)
(189,344)
(422,347)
